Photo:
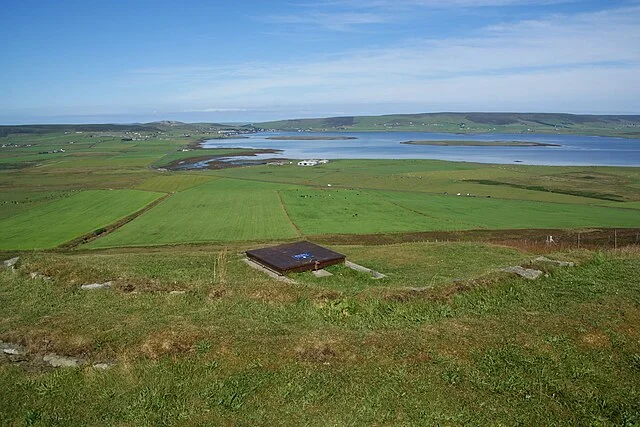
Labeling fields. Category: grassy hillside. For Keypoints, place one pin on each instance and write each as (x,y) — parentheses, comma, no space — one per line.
(239,348)
(626,126)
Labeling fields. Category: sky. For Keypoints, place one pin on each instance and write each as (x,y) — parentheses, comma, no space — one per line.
(87,61)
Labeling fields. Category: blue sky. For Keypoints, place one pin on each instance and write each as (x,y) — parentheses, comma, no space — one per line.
(249,60)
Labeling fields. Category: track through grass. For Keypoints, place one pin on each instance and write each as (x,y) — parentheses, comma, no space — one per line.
(60,221)
(222,210)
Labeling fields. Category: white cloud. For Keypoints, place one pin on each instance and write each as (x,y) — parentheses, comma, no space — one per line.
(339,21)
(219,110)
(587,61)
(387,5)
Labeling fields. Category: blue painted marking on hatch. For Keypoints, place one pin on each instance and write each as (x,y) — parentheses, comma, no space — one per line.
(305,255)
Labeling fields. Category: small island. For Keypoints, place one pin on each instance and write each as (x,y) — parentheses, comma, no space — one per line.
(462,143)
(311,138)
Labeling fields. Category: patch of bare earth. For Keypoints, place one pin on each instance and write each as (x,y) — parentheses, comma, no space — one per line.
(596,339)
(169,343)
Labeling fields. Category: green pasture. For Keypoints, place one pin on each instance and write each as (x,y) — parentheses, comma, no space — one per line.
(173,182)
(240,210)
(282,202)
(221,210)
(14,202)
(337,211)
(580,185)
(477,212)
(62,220)
(48,179)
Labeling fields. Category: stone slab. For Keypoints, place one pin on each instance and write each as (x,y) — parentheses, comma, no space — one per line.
(356,267)
(62,361)
(555,262)
(321,273)
(93,286)
(266,271)
(527,273)
(11,262)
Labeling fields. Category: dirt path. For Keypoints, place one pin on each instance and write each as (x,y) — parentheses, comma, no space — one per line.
(525,238)
(89,237)
(286,212)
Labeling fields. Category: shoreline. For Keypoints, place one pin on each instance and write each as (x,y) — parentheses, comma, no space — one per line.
(215,161)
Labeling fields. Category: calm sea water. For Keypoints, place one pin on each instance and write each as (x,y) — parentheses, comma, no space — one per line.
(573,150)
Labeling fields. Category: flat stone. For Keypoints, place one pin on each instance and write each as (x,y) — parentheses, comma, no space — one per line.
(268,272)
(177,292)
(103,366)
(527,273)
(11,349)
(62,361)
(35,275)
(421,289)
(321,273)
(555,262)
(11,262)
(356,267)
(93,286)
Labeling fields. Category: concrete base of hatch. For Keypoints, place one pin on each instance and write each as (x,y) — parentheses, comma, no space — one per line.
(318,273)
(266,271)
(321,273)
(356,267)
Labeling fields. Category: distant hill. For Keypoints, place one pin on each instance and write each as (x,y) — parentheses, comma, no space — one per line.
(605,125)
(41,129)
(627,126)
(153,127)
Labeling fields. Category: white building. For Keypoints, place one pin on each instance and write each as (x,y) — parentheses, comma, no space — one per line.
(312,162)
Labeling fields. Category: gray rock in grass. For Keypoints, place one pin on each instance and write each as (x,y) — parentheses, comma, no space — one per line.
(62,361)
(10,263)
(554,262)
(94,286)
(527,273)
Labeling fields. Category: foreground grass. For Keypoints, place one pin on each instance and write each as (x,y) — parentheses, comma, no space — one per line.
(238,348)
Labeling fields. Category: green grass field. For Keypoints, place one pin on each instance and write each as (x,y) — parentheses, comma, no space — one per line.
(14,202)
(239,348)
(62,220)
(173,182)
(197,337)
(358,211)
(220,210)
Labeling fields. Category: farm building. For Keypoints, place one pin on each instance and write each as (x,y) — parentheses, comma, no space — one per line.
(312,162)
(295,257)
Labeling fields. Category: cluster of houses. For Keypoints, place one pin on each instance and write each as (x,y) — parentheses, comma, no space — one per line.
(12,145)
(312,162)
(59,150)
